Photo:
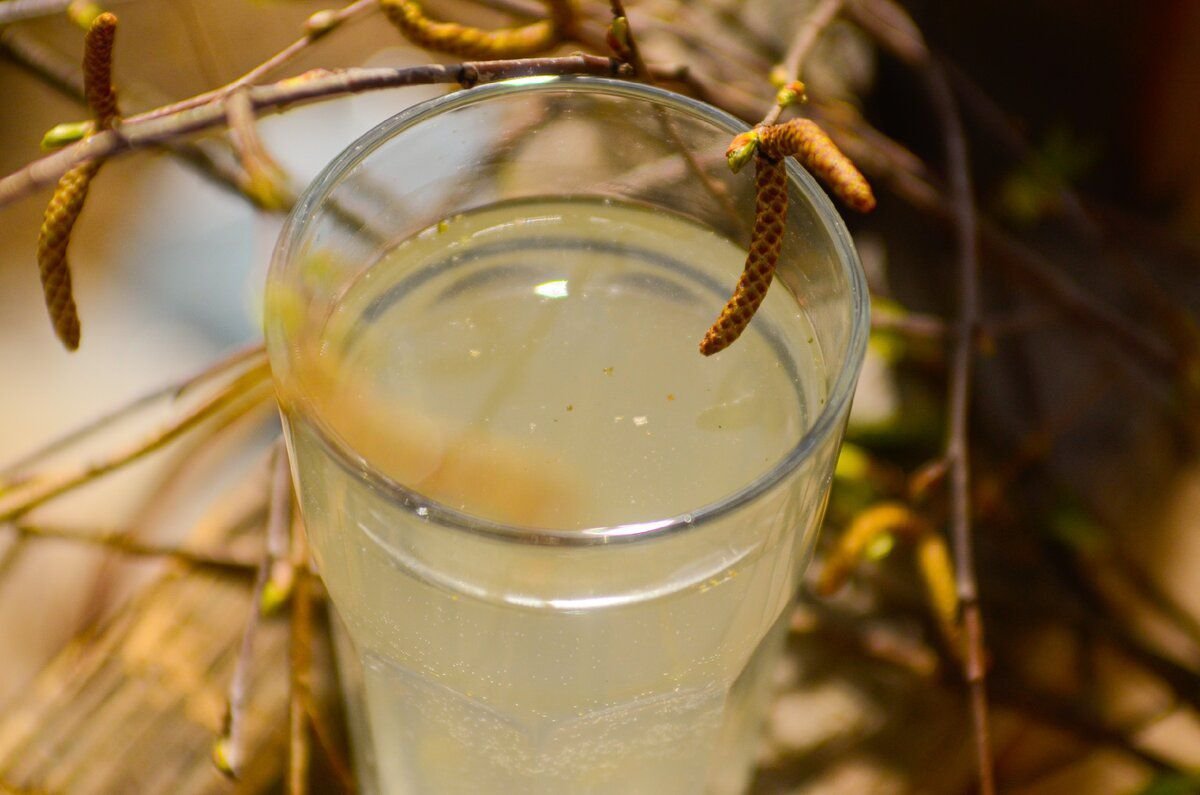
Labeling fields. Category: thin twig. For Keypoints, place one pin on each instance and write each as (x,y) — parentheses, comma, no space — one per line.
(17,10)
(333,755)
(63,74)
(890,162)
(802,44)
(1055,711)
(908,45)
(632,54)
(909,324)
(265,179)
(139,132)
(174,391)
(299,667)
(248,386)
(281,569)
(330,20)
(247,417)
(121,542)
(11,555)
(956,452)
(227,750)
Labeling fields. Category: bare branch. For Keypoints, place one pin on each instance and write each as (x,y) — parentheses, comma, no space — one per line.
(16,10)
(281,569)
(956,452)
(139,132)
(906,43)
(250,386)
(802,44)
(326,21)
(227,750)
(300,666)
(324,737)
(627,42)
(66,77)
(884,159)
(173,390)
(265,180)
(121,542)
(910,324)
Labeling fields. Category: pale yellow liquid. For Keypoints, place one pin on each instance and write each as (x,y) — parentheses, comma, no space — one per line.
(536,364)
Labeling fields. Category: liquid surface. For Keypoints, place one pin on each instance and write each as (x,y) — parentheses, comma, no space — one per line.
(538,364)
(557,342)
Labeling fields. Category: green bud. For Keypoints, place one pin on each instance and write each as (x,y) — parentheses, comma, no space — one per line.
(222,756)
(321,23)
(741,151)
(274,596)
(60,135)
(617,37)
(880,547)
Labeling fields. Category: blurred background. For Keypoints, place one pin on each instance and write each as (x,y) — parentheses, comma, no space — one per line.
(1086,462)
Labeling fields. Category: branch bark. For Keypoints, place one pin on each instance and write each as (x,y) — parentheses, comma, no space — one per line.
(148,129)
(802,44)
(890,25)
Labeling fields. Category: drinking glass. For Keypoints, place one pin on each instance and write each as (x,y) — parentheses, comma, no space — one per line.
(560,544)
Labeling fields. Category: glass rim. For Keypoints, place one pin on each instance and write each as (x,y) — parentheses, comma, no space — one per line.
(841,389)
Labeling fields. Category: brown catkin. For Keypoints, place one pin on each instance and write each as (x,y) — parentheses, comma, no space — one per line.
(808,143)
(465,41)
(97,69)
(766,242)
(72,189)
(59,219)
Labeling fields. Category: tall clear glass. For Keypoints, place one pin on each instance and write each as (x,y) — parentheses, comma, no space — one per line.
(561,544)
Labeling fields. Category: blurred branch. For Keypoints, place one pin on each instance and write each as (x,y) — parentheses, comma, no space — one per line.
(57,71)
(333,754)
(16,10)
(1065,715)
(229,745)
(176,390)
(119,541)
(264,179)
(956,452)
(911,324)
(1183,680)
(890,162)
(1043,278)
(890,25)
(300,665)
(281,569)
(1165,311)
(43,488)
